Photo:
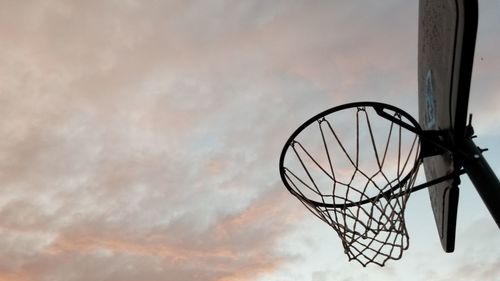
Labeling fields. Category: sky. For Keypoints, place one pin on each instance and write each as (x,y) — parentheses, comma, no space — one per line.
(140,139)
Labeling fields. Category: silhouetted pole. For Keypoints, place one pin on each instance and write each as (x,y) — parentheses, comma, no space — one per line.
(483,178)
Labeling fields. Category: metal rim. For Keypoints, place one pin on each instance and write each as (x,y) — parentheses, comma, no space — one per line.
(379,108)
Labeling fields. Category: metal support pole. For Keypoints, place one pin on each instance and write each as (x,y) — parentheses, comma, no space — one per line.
(482,176)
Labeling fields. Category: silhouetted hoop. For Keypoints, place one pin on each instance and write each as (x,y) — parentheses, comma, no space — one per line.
(353,166)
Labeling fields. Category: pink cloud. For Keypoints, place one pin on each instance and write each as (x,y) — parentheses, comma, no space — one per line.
(140,141)
(237,247)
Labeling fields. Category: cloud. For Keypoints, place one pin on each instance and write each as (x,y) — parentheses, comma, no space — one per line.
(141,140)
(480,271)
(237,246)
(471,259)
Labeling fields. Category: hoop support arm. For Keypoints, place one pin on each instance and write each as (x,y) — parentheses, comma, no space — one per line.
(385,194)
(434,142)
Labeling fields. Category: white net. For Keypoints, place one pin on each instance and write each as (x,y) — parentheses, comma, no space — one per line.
(357,178)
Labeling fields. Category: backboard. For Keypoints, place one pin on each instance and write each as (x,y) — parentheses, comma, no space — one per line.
(446,41)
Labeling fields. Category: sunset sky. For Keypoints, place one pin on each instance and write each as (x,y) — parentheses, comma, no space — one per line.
(140,139)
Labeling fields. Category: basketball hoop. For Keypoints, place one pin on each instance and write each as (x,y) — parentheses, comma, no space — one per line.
(354,166)
(357,177)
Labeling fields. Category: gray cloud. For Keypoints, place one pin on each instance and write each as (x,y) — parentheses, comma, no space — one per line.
(141,140)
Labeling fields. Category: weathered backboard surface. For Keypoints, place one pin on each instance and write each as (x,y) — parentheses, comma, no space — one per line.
(446,41)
